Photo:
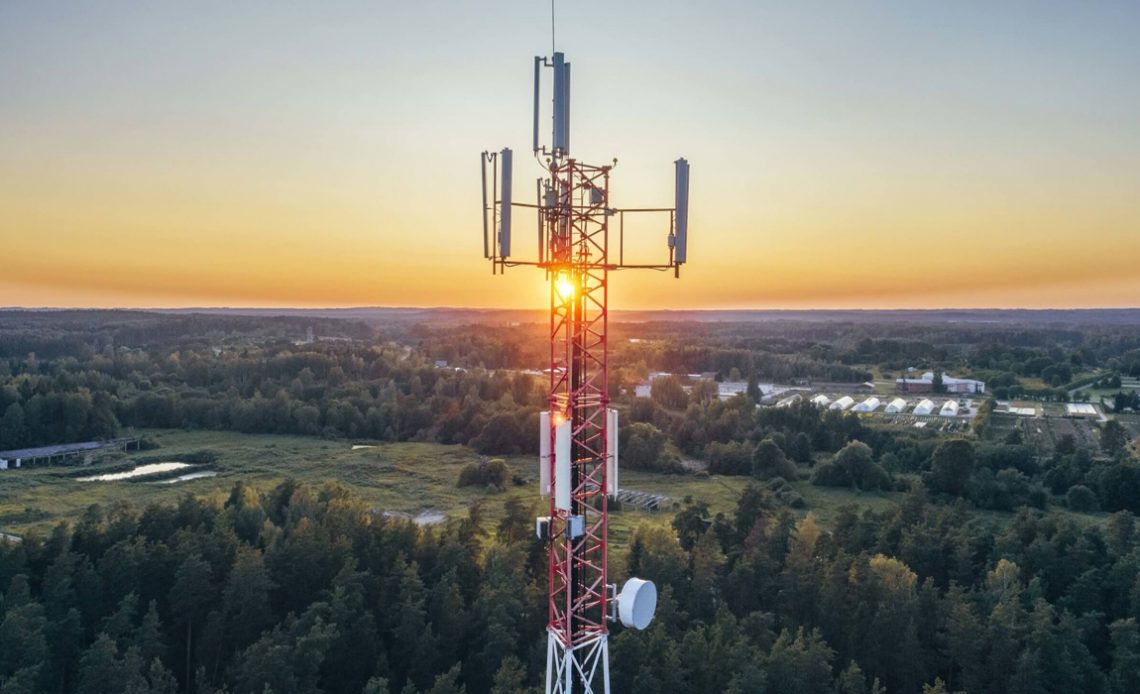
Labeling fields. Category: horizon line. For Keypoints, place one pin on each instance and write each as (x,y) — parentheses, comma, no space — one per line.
(159,309)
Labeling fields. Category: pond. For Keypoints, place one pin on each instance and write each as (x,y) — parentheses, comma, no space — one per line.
(189,476)
(140,471)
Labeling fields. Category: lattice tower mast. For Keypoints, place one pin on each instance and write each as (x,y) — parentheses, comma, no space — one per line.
(578,437)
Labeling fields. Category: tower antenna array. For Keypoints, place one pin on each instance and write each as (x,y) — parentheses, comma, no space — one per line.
(578,432)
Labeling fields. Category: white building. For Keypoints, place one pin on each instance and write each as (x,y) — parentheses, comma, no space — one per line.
(821,400)
(924,408)
(897,406)
(842,403)
(1081,409)
(950,409)
(726,390)
(869,405)
(645,388)
(789,401)
(951,384)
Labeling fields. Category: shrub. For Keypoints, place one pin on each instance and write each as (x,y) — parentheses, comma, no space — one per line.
(484,473)
(951,466)
(853,466)
(643,447)
(830,475)
(1081,498)
(768,461)
(734,458)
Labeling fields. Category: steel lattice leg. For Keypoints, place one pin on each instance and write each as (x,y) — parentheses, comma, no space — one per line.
(564,666)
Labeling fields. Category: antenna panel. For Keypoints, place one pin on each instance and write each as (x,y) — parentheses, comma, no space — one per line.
(505,205)
(486,235)
(537,81)
(561,139)
(681,242)
(612,452)
(544,453)
(562,464)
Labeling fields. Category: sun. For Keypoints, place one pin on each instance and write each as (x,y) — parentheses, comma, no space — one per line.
(564,287)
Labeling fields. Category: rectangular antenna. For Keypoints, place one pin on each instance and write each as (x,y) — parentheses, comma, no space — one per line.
(612,452)
(544,453)
(537,73)
(486,242)
(505,207)
(682,212)
(562,464)
(566,109)
(561,136)
(541,235)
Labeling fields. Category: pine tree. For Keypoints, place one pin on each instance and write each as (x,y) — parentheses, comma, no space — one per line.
(511,677)
(851,680)
(189,598)
(1124,677)
(100,669)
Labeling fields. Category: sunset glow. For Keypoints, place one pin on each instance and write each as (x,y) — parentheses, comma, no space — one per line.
(864,156)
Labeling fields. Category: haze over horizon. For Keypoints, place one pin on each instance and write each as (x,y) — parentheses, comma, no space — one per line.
(848,155)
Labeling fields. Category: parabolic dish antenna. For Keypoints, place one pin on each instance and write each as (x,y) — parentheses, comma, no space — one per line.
(637,603)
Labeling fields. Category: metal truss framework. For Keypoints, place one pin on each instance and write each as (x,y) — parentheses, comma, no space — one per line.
(577,227)
(564,665)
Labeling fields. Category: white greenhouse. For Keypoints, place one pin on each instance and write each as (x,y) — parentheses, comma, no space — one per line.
(789,401)
(924,408)
(843,403)
(897,406)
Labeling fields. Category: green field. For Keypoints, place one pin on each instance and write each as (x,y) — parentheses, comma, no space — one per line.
(405,478)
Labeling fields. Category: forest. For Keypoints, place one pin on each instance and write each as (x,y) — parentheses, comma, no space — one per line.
(299,589)
(1001,569)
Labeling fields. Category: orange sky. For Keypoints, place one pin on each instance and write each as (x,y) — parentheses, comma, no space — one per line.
(163,162)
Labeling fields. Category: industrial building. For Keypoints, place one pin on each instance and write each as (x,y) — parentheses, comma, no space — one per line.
(869,405)
(949,409)
(949,383)
(821,400)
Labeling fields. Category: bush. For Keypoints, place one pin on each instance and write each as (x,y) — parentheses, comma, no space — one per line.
(853,466)
(830,475)
(484,473)
(768,461)
(951,467)
(783,492)
(643,447)
(734,458)
(203,457)
(1081,498)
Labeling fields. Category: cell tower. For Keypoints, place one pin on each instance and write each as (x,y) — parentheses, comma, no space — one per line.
(578,433)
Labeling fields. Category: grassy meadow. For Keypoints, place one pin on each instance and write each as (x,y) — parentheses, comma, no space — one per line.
(404,478)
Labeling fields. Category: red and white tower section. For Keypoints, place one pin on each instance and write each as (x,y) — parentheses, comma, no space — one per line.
(578,433)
